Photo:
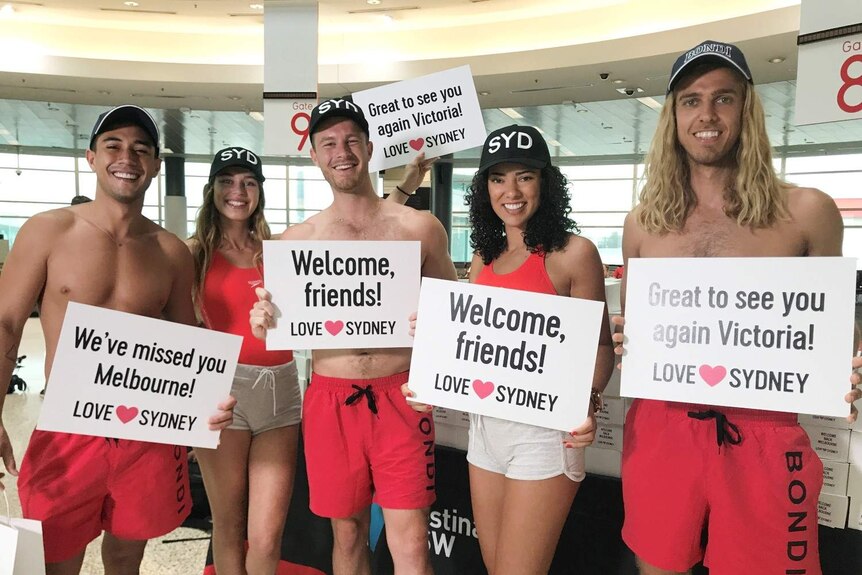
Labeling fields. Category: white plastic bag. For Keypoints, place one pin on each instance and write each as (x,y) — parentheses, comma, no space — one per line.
(21,548)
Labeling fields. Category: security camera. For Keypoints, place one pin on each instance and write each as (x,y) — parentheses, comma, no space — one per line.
(629,91)
(18,172)
(604,75)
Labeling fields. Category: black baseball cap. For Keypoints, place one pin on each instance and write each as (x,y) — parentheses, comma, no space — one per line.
(126,114)
(236,156)
(518,144)
(718,51)
(343,107)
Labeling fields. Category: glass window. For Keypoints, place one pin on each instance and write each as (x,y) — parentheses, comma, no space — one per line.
(37,186)
(796,164)
(9,226)
(598,172)
(65,163)
(309,195)
(304,173)
(601,195)
(853,244)
(599,219)
(836,184)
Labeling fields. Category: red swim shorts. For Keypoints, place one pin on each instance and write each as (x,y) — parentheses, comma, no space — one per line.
(79,485)
(363,442)
(749,477)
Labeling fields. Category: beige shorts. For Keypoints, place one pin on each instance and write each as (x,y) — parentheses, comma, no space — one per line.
(522,451)
(267,397)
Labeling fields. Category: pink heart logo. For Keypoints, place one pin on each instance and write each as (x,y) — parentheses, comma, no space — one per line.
(483,388)
(712,375)
(334,327)
(417,143)
(126,414)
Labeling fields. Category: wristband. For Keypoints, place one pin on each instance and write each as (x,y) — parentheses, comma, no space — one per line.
(397,187)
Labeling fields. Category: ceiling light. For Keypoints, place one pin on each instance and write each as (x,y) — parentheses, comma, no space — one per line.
(484,93)
(512,113)
(372,2)
(776,60)
(650,103)
(256,115)
(131,4)
(7,10)
(256,6)
(619,81)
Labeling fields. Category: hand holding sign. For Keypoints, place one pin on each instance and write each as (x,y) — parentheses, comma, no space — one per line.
(438,114)
(261,316)
(131,377)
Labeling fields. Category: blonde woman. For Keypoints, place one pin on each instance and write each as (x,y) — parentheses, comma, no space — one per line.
(249,478)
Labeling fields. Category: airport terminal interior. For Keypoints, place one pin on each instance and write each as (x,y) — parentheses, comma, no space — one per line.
(591,75)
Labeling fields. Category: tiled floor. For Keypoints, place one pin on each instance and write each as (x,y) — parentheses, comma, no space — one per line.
(163,555)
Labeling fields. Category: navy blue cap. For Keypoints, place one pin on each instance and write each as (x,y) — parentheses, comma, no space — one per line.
(343,107)
(726,53)
(127,113)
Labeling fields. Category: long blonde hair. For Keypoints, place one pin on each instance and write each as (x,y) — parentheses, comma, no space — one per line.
(208,235)
(756,198)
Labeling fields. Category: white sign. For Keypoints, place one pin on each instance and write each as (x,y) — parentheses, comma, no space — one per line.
(126,376)
(436,114)
(761,333)
(286,132)
(341,294)
(510,354)
(829,77)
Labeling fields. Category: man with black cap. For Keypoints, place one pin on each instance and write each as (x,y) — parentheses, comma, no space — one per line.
(80,485)
(362,439)
(711,191)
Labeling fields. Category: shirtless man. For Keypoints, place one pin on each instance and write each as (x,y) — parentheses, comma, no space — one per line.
(361,437)
(102,253)
(711,191)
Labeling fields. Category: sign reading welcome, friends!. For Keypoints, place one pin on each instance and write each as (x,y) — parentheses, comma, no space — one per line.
(509,354)
(341,294)
(127,376)
(436,114)
(761,333)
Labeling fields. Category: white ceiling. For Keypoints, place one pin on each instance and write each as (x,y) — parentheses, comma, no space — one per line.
(200,62)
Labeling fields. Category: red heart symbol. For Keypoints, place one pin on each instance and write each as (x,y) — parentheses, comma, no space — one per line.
(712,375)
(483,388)
(126,414)
(334,327)
(417,143)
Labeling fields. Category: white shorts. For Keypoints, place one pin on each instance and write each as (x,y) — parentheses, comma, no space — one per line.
(267,397)
(522,451)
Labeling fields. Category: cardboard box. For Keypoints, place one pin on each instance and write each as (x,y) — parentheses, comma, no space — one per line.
(447,416)
(826,421)
(835,477)
(609,437)
(854,480)
(832,510)
(830,444)
(603,461)
(613,387)
(854,519)
(452,436)
(855,454)
(613,412)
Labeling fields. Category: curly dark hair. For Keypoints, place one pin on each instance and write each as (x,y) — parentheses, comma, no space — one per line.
(547,230)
